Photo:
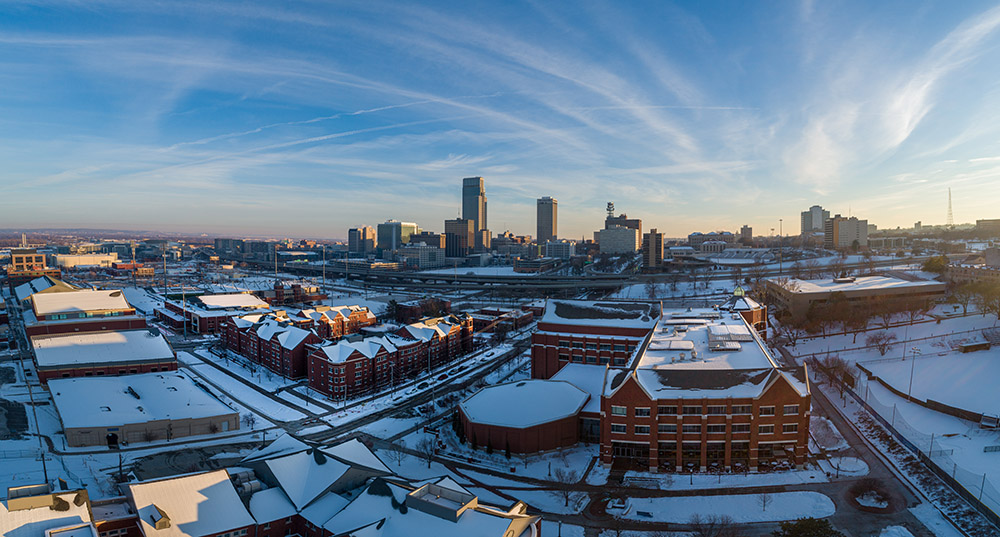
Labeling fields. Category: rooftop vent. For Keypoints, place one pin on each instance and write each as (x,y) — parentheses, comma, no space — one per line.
(845,279)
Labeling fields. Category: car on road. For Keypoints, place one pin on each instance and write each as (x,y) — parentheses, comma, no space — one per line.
(421,386)
(443,376)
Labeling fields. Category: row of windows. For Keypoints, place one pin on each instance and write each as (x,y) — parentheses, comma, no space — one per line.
(237,533)
(711,410)
(669,428)
(617,347)
(604,360)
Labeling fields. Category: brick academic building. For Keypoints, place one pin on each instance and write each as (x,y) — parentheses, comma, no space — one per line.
(82,310)
(698,392)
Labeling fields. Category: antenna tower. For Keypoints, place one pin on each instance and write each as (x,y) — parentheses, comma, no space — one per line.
(611,209)
(951,216)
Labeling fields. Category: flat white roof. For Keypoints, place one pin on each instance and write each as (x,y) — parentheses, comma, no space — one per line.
(525,403)
(131,399)
(237,300)
(197,505)
(34,522)
(588,378)
(601,313)
(79,301)
(724,343)
(860,283)
(100,347)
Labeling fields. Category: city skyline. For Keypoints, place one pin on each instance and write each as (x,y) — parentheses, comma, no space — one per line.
(227,118)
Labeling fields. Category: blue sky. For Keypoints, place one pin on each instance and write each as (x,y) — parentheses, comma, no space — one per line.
(307,119)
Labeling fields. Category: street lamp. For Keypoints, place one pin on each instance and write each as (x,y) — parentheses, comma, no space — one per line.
(913,362)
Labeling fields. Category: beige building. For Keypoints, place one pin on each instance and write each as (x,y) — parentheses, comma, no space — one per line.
(796,296)
(137,408)
(618,240)
(85,260)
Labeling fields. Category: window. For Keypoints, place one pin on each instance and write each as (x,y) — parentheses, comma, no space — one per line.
(691,428)
(618,428)
(591,346)
(591,359)
(618,410)
(692,410)
(642,412)
(563,357)
(564,344)
(578,359)
(620,348)
(741,428)
(605,360)
(666,409)
(577,344)
(791,410)
(619,361)
(767,411)
(715,429)
(666,428)
(642,429)
(267,526)
(765,429)
(790,428)
(606,347)
(742,409)
(716,410)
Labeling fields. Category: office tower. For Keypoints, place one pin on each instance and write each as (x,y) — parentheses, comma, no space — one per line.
(814,219)
(547,220)
(474,202)
(652,250)
(623,220)
(392,234)
(459,237)
(361,240)
(746,234)
(483,239)
(840,232)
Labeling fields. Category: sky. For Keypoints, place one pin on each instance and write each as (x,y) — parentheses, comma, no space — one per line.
(304,119)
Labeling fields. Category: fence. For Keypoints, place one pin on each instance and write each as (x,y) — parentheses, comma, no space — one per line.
(975,488)
(894,345)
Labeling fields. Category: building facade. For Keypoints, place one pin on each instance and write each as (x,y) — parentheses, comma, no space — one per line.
(618,240)
(652,250)
(474,202)
(547,228)
(814,219)
(459,236)
(840,232)
(361,240)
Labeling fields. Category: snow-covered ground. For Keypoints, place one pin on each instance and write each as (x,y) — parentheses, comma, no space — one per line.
(966,381)
(723,481)
(741,508)
(238,391)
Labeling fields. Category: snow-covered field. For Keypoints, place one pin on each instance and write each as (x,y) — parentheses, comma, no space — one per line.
(966,381)
(740,507)
(239,391)
(726,481)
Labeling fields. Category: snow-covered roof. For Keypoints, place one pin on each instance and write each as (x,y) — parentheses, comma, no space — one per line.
(346,310)
(195,505)
(269,505)
(585,377)
(371,509)
(25,290)
(340,351)
(697,351)
(83,529)
(524,403)
(101,347)
(285,444)
(34,522)
(861,283)
(321,509)
(739,301)
(608,314)
(426,332)
(80,301)
(131,399)
(355,453)
(231,301)
(307,474)
(288,336)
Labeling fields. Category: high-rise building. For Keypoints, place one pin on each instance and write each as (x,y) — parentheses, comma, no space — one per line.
(814,219)
(623,220)
(483,238)
(840,232)
(746,234)
(429,238)
(361,240)
(652,249)
(563,249)
(618,240)
(474,201)
(547,223)
(459,237)
(391,235)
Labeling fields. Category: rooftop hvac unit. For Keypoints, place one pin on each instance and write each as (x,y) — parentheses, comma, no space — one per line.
(694,354)
(252,486)
(683,355)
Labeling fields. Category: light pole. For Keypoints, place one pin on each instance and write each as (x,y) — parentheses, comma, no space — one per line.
(913,362)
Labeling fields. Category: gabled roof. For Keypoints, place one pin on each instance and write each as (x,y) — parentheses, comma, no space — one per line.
(285,444)
(304,476)
(288,336)
(269,505)
(355,453)
(41,284)
(195,505)
(342,350)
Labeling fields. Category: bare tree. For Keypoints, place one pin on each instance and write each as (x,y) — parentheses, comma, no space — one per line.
(714,526)
(249,419)
(651,289)
(567,478)
(882,341)
(962,295)
(764,499)
(397,453)
(426,449)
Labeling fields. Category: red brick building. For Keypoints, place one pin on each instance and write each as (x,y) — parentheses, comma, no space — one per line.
(349,369)
(524,416)
(295,293)
(280,346)
(488,319)
(208,314)
(595,333)
(83,310)
(98,354)
(338,321)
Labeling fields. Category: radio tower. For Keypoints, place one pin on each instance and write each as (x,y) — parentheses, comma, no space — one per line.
(951,217)
(611,209)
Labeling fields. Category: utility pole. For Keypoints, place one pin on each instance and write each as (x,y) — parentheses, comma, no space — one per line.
(184,309)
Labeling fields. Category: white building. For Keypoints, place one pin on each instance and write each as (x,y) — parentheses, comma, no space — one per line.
(560,249)
(618,240)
